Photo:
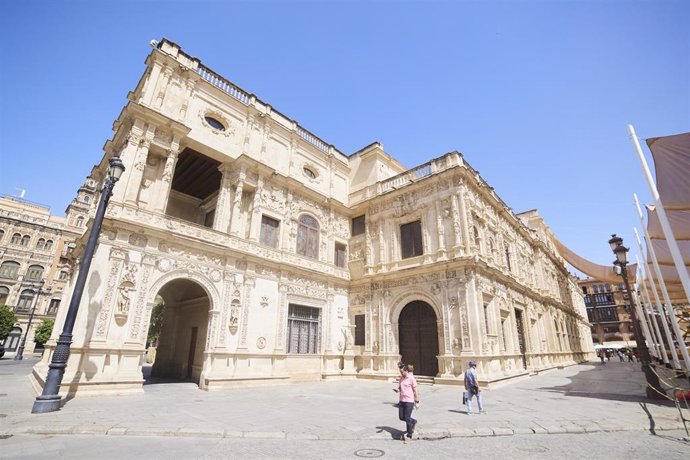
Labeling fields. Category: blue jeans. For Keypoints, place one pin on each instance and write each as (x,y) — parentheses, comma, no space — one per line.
(405,413)
(469,401)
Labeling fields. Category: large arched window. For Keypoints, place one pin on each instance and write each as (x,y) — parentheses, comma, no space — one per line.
(9,269)
(308,236)
(49,245)
(4,293)
(34,273)
(41,244)
(25,240)
(16,239)
(25,299)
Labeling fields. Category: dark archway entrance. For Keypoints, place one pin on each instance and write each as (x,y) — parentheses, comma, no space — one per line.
(418,337)
(180,346)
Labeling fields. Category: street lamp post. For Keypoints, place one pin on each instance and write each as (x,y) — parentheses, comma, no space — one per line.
(20,351)
(49,400)
(654,390)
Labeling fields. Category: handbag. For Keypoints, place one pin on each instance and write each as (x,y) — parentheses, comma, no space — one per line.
(464,398)
(474,389)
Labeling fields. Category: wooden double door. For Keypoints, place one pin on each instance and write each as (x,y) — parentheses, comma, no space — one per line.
(418,337)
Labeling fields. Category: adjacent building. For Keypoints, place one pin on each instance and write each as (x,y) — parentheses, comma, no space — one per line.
(608,312)
(280,258)
(34,259)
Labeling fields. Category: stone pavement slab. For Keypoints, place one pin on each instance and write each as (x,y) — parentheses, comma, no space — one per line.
(585,398)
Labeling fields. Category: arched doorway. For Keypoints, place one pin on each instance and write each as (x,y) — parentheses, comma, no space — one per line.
(418,337)
(183,328)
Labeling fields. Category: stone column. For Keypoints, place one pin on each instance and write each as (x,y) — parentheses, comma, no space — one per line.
(128,153)
(137,170)
(236,218)
(249,283)
(281,324)
(255,216)
(455,216)
(441,230)
(163,195)
(221,219)
(464,218)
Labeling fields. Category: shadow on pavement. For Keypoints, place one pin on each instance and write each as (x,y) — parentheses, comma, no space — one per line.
(612,383)
(394,432)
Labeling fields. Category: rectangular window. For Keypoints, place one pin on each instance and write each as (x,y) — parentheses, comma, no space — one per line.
(304,324)
(358,226)
(53,307)
(340,255)
(411,239)
(269,231)
(359,330)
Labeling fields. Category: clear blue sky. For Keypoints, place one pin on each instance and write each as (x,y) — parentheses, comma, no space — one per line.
(536,95)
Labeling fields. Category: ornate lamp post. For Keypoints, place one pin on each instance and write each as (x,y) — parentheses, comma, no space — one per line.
(49,400)
(20,351)
(654,390)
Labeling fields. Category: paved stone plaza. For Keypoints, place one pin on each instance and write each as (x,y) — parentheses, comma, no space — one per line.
(578,399)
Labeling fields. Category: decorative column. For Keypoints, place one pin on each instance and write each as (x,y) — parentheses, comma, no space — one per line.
(161,200)
(249,283)
(464,220)
(128,154)
(221,219)
(441,231)
(236,218)
(281,325)
(455,216)
(137,171)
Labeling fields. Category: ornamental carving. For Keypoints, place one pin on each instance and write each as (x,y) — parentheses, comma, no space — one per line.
(261,343)
(137,240)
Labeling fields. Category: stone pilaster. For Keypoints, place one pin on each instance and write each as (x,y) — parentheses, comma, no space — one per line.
(221,220)
(161,201)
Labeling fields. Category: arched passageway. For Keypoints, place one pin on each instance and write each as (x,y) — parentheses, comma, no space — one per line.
(418,337)
(183,328)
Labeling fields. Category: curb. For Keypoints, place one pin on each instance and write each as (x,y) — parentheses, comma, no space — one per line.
(432,435)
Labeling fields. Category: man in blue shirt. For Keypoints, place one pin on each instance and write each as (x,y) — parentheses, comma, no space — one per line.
(472,388)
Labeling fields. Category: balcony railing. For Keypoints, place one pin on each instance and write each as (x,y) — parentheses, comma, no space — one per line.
(596,300)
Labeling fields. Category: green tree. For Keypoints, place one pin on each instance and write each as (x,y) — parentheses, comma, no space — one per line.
(7,321)
(44,330)
(156,321)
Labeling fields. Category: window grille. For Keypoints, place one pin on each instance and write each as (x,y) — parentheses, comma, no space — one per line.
(303,329)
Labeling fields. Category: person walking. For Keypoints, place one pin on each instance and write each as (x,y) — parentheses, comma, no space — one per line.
(601,356)
(472,388)
(409,399)
(621,355)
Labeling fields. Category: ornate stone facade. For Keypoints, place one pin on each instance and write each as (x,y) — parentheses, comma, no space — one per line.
(280,258)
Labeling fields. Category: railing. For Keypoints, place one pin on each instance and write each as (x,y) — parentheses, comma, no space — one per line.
(229,88)
(222,84)
(407,177)
(312,139)
(595,300)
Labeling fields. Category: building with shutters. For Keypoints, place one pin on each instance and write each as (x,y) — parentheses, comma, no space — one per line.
(280,258)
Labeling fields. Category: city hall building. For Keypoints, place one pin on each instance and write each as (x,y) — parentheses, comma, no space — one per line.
(280,258)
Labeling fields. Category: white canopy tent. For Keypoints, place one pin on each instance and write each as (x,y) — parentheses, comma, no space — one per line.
(667,233)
